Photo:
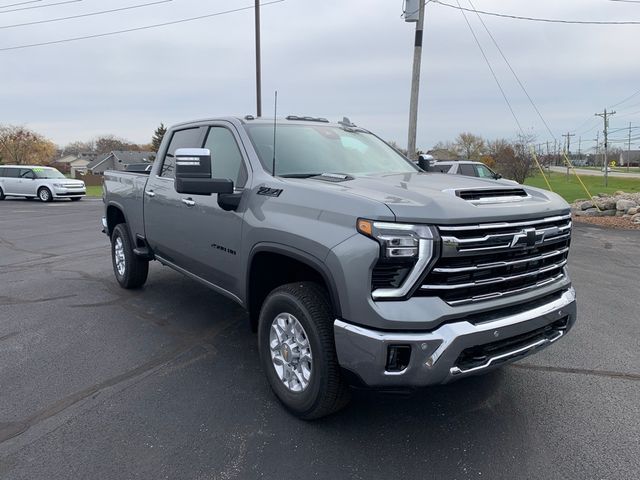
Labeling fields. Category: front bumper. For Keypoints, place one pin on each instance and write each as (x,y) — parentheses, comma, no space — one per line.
(443,354)
(63,192)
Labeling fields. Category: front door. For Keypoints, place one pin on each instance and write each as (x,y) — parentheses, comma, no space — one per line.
(216,233)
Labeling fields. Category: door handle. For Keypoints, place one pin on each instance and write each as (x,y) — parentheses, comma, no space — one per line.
(150,193)
(188,202)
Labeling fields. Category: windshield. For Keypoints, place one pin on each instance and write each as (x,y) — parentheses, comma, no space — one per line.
(305,150)
(47,173)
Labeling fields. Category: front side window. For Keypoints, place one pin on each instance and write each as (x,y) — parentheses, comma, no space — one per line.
(484,172)
(189,138)
(26,173)
(307,150)
(226,159)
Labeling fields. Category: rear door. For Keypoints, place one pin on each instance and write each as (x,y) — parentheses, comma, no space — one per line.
(11,181)
(163,207)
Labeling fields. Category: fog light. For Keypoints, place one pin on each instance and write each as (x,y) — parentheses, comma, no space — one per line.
(398,357)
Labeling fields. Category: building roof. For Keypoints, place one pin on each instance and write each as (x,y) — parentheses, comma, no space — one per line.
(124,157)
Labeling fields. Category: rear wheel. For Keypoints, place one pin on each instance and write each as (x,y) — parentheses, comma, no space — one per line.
(297,350)
(1,194)
(130,270)
(44,194)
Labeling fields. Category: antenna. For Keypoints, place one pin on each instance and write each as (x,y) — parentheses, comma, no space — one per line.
(275,116)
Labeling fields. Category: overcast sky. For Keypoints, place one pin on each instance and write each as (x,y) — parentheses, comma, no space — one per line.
(329,58)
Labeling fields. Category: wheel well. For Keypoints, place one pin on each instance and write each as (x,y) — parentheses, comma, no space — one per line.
(270,270)
(43,187)
(114,217)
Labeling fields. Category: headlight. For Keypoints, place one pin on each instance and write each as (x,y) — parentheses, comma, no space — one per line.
(400,243)
(58,185)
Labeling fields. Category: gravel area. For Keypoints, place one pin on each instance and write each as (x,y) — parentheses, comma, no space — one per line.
(609,222)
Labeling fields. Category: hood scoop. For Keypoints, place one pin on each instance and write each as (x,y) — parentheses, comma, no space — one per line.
(484,196)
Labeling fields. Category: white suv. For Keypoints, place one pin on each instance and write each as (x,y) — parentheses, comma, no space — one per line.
(46,183)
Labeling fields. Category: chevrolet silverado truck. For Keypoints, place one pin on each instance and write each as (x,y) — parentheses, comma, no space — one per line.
(357,268)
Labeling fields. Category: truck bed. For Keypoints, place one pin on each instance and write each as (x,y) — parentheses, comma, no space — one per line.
(126,190)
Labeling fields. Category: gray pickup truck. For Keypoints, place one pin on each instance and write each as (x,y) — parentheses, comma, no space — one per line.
(356,267)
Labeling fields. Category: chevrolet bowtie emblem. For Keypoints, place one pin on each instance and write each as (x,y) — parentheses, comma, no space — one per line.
(527,237)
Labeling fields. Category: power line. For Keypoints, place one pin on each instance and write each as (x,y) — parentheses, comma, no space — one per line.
(136,29)
(513,71)
(546,20)
(40,6)
(85,14)
(20,3)
(495,77)
(626,99)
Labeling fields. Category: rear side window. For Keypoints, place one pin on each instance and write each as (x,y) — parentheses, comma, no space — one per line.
(12,172)
(226,159)
(189,138)
(466,169)
(1,172)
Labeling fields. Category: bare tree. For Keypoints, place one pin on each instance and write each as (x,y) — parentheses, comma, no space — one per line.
(22,146)
(513,160)
(77,147)
(109,143)
(469,146)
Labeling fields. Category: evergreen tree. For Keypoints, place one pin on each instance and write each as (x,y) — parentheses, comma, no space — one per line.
(158,135)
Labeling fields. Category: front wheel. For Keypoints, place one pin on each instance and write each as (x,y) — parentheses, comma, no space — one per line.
(130,270)
(297,350)
(44,194)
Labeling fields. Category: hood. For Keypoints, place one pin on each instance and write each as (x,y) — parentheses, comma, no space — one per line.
(450,199)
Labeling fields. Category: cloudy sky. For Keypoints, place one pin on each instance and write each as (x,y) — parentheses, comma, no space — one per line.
(330,58)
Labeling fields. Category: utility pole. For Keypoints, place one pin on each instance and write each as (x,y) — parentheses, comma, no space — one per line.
(629,149)
(597,147)
(415,78)
(605,117)
(258,62)
(568,135)
(580,148)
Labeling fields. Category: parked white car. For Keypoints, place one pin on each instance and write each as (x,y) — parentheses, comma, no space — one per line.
(45,183)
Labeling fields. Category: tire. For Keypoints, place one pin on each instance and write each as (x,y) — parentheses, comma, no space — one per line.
(75,199)
(2,197)
(325,391)
(44,194)
(130,270)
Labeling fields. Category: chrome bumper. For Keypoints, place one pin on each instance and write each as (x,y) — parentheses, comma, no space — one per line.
(435,356)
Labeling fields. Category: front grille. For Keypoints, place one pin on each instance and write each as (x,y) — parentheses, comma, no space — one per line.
(491,193)
(475,356)
(486,261)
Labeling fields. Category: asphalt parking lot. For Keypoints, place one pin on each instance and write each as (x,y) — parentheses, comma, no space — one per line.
(98,382)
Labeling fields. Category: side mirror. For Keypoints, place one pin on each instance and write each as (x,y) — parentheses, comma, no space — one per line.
(193,173)
(498,176)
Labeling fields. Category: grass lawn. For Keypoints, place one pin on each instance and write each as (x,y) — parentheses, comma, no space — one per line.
(571,189)
(94,192)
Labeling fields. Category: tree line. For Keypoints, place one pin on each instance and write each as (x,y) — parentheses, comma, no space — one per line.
(22,146)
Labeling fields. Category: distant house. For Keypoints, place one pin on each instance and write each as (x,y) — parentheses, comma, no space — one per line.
(118,160)
(74,163)
(630,158)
